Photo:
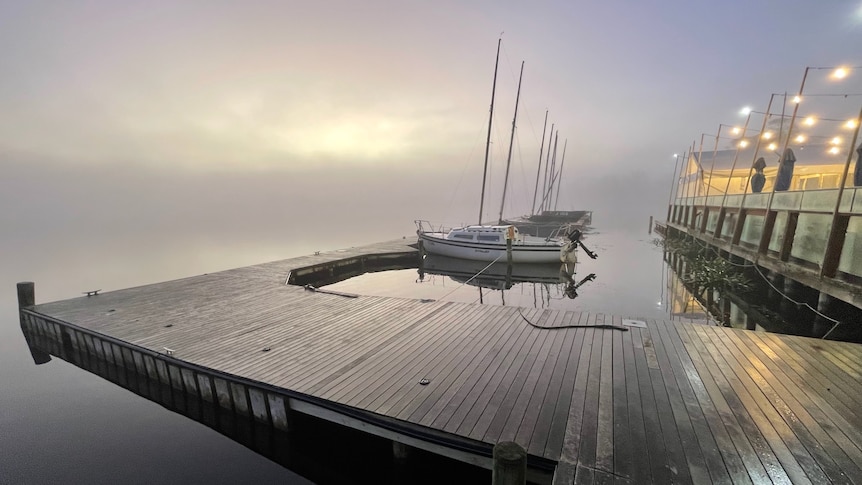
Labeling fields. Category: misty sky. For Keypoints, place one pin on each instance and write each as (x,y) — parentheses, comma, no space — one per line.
(187,114)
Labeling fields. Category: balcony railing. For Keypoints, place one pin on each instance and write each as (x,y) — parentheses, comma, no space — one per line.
(822,200)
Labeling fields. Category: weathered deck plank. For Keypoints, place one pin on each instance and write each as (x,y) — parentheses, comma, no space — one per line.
(671,402)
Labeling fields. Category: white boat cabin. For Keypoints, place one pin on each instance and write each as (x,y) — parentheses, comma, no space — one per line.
(484,234)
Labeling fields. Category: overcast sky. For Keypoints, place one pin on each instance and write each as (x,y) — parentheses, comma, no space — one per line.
(234,110)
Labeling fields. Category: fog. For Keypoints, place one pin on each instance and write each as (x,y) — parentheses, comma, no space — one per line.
(108,219)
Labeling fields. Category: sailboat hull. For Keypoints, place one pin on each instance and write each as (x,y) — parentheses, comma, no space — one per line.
(436,243)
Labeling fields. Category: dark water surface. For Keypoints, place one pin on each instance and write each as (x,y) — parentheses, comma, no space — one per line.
(62,424)
(630,280)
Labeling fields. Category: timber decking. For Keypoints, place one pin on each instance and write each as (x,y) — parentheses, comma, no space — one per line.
(671,402)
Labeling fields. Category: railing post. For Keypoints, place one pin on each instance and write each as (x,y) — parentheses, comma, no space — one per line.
(737,230)
(834,245)
(768,224)
(510,464)
(789,235)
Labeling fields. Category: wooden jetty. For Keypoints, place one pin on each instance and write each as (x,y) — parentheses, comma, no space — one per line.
(664,403)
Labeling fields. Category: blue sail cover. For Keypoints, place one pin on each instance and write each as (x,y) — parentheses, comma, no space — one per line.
(785,171)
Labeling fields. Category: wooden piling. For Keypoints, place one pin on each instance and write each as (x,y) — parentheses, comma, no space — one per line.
(26,294)
(510,464)
(27,297)
(400,451)
(650,225)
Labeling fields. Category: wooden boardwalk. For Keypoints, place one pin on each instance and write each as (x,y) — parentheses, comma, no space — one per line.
(667,403)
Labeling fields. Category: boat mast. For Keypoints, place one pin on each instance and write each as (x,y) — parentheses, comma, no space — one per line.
(546,201)
(488,141)
(511,142)
(547,164)
(560,179)
(539,170)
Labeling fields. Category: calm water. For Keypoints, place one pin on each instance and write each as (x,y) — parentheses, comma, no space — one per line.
(630,280)
(62,424)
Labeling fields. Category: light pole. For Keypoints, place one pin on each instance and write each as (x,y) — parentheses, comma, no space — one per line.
(673,185)
(838,230)
(722,211)
(769,223)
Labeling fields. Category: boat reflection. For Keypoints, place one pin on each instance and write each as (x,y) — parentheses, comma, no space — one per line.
(549,281)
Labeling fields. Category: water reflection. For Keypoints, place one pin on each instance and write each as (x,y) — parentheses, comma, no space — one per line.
(769,302)
(543,281)
(317,450)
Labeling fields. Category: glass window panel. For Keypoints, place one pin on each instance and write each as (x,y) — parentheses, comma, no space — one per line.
(777,238)
(851,253)
(809,243)
(820,200)
(753,229)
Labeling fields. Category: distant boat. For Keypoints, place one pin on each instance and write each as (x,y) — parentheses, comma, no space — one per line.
(502,242)
(548,222)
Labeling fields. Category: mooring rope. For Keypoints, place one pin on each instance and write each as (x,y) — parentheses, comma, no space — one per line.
(757,268)
(472,277)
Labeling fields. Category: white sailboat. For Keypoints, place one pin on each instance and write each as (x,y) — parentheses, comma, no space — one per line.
(500,242)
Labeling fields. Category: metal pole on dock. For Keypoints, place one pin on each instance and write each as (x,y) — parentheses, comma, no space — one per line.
(671,200)
(510,464)
(835,240)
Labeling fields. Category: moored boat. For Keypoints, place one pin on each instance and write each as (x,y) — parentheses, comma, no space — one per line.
(494,243)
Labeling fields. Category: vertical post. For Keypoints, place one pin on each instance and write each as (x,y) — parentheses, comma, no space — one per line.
(650,225)
(27,297)
(712,166)
(539,170)
(789,235)
(488,142)
(511,144)
(770,215)
(722,211)
(560,180)
(547,168)
(26,294)
(839,227)
(400,451)
(688,213)
(822,327)
(509,251)
(510,464)
(757,148)
(671,200)
(768,225)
